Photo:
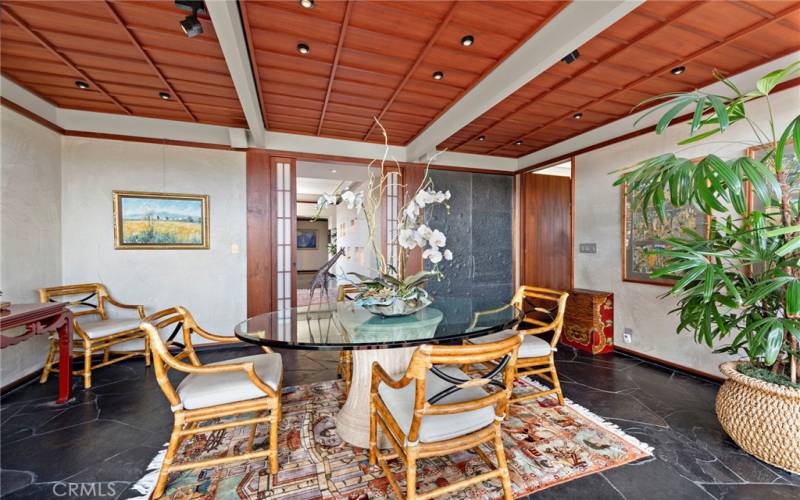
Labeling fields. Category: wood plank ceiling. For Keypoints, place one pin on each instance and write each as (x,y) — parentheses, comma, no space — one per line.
(629,62)
(128,52)
(377,58)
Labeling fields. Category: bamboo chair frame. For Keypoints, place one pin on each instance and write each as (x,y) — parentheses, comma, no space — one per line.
(345,368)
(542,366)
(408,449)
(87,346)
(186,421)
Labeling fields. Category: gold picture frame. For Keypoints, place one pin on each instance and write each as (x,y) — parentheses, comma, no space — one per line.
(756,153)
(160,221)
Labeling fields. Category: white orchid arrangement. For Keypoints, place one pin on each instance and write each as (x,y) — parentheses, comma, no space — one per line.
(412,232)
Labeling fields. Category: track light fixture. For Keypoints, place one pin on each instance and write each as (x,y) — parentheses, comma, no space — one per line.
(467,40)
(81,85)
(306,4)
(191,25)
(677,70)
(438,75)
(165,96)
(303,48)
(571,57)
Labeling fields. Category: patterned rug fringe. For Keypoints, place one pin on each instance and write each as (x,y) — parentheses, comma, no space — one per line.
(147,483)
(597,419)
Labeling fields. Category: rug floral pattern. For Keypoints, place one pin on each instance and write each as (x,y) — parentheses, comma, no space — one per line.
(545,443)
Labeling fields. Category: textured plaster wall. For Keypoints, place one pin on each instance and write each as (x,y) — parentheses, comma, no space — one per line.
(598,220)
(210,283)
(30,227)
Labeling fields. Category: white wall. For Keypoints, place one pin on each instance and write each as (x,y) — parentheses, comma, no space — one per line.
(210,283)
(30,227)
(597,219)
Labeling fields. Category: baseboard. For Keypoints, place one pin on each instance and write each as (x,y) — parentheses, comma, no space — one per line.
(669,364)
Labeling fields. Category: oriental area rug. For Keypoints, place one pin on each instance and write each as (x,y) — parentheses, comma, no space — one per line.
(546,444)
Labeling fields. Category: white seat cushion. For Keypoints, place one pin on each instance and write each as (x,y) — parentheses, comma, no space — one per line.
(532,346)
(104,328)
(200,390)
(400,403)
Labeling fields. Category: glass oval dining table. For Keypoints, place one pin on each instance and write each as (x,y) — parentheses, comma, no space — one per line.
(388,340)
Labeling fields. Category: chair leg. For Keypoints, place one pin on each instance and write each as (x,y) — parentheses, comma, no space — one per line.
(87,365)
(373,433)
(557,384)
(348,371)
(273,436)
(172,449)
(146,351)
(106,354)
(48,365)
(411,474)
(502,463)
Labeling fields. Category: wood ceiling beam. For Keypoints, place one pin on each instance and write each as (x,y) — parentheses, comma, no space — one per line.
(699,52)
(431,41)
(641,36)
(52,49)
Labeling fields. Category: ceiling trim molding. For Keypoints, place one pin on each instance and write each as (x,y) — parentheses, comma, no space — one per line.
(335,65)
(227,22)
(624,128)
(574,25)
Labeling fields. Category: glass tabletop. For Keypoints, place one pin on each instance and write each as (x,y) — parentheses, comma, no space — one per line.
(346,326)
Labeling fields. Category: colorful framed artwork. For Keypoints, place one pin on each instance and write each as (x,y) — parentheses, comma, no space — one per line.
(165,221)
(306,239)
(640,237)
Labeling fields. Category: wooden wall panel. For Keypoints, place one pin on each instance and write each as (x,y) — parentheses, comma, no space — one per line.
(546,239)
(259,233)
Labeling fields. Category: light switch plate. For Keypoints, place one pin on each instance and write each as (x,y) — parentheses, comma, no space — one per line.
(627,335)
(587,247)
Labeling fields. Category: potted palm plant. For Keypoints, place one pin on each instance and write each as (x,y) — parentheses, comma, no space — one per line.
(738,286)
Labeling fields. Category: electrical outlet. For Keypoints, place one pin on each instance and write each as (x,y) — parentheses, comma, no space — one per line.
(627,335)
(587,247)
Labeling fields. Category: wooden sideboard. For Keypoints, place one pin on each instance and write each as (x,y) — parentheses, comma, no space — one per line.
(41,319)
(589,321)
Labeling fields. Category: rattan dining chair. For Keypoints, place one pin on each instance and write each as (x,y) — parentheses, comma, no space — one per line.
(94,331)
(544,313)
(345,368)
(435,409)
(248,387)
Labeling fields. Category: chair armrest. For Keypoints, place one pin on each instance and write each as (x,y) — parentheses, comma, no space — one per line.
(212,336)
(379,375)
(139,308)
(476,316)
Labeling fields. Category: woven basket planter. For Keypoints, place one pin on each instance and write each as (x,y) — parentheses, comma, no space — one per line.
(762,418)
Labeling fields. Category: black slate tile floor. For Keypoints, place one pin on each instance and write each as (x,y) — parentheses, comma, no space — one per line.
(111,432)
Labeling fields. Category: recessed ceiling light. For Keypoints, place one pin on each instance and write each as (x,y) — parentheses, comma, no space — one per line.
(467,40)
(81,84)
(165,96)
(438,75)
(677,70)
(303,48)
(571,57)
(307,4)
(518,142)
(577,116)
(482,138)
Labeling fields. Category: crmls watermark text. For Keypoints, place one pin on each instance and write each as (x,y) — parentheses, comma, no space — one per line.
(81,490)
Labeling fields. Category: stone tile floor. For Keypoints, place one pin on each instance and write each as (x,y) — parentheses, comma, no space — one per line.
(111,432)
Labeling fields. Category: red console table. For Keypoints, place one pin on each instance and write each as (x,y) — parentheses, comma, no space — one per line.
(43,319)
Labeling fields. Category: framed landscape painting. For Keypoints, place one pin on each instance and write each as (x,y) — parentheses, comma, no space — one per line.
(640,237)
(160,220)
